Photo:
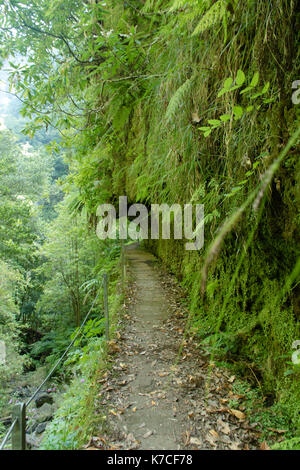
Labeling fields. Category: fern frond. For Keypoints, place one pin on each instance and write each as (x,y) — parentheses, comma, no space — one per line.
(213,16)
(177,99)
(178,4)
(151,6)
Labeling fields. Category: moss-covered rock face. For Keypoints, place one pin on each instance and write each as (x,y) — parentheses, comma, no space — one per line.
(184,141)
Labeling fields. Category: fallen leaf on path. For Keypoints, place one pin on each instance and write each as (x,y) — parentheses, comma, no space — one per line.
(148,434)
(211,440)
(195,441)
(264,446)
(238,414)
(214,433)
(224,427)
(124,382)
(278,431)
(234,446)
(216,410)
(187,438)
(113,347)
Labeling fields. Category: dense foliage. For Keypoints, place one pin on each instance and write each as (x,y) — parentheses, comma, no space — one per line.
(180,101)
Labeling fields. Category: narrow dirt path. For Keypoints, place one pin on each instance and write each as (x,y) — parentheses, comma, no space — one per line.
(150,402)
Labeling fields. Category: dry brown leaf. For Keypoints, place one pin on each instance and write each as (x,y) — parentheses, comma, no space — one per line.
(278,431)
(187,438)
(238,414)
(225,429)
(234,446)
(264,446)
(124,382)
(224,400)
(209,438)
(195,118)
(195,441)
(113,347)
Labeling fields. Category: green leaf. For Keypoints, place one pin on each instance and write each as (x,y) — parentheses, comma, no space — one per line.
(221,92)
(265,88)
(214,122)
(254,80)
(240,78)
(227,84)
(245,90)
(238,111)
(268,100)
(262,92)
(225,117)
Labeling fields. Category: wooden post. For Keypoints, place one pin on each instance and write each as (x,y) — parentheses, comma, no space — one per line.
(105,289)
(123,267)
(18,437)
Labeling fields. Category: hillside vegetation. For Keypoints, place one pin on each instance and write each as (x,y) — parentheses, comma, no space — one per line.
(175,101)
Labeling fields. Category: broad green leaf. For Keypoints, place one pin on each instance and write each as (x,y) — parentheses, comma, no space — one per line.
(214,122)
(207,133)
(262,92)
(254,80)
(227,84)
(226,87)
(225,117)
(240,78)
(238,111)
(222,92)
(245,90)
(265,88)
